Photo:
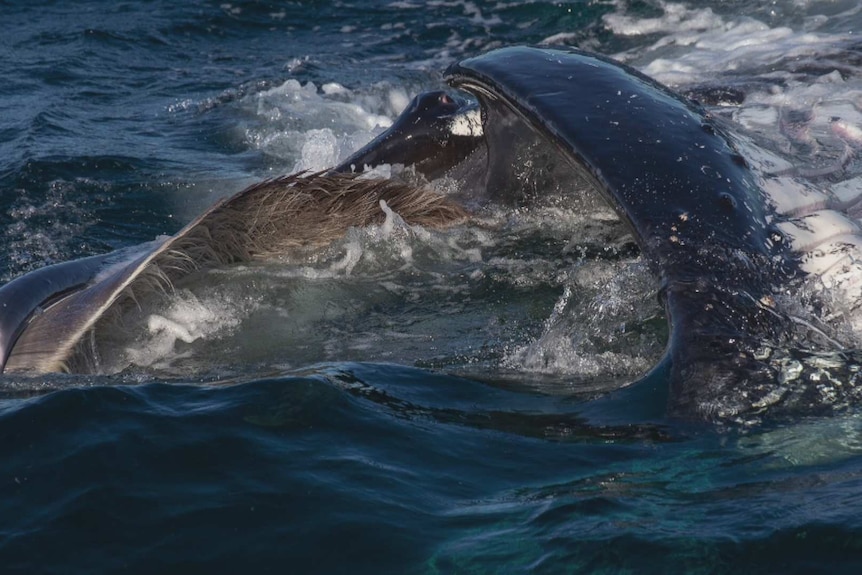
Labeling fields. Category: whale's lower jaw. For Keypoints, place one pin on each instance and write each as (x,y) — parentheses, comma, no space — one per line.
(736,250)
(275,218)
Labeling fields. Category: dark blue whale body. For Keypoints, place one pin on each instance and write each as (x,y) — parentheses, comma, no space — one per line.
(692,204)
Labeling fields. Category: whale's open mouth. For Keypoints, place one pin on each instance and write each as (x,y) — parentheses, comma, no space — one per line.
(648,174)
(482,154)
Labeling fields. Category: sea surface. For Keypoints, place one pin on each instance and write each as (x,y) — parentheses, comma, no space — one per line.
(409,401)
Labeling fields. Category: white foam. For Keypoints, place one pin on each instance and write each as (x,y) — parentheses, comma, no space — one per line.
(312,129)
(319,151)
(848,191)
(333,88)
(352,254)
(600,331)
(696,43)
(676,18)
(188,318)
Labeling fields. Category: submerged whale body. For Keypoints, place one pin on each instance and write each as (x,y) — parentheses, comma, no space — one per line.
(535,119)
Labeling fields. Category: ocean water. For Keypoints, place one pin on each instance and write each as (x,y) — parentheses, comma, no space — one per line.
(409,401)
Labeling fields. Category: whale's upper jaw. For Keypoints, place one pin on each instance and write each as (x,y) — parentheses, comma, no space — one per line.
(56,316)
(700,216)
(656,158)
(694,207)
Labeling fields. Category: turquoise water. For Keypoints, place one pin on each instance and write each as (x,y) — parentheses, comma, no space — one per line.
(343,448)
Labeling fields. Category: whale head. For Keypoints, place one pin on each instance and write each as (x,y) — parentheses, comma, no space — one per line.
(525,126)
(569,119)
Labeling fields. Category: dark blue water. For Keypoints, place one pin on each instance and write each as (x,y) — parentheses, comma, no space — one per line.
(121,121)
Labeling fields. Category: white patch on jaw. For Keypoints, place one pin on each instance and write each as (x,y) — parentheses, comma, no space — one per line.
(469,124)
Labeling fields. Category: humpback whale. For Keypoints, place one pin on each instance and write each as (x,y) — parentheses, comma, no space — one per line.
(525,120)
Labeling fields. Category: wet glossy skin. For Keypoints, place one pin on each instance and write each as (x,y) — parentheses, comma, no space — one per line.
(656,157)
(696,211)
(22,297)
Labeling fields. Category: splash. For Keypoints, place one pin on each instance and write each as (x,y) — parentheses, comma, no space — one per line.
(170,334)
(606,323)
(290,119)
(469,297)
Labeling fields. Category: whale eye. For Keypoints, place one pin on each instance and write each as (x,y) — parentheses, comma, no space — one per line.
(727,201)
